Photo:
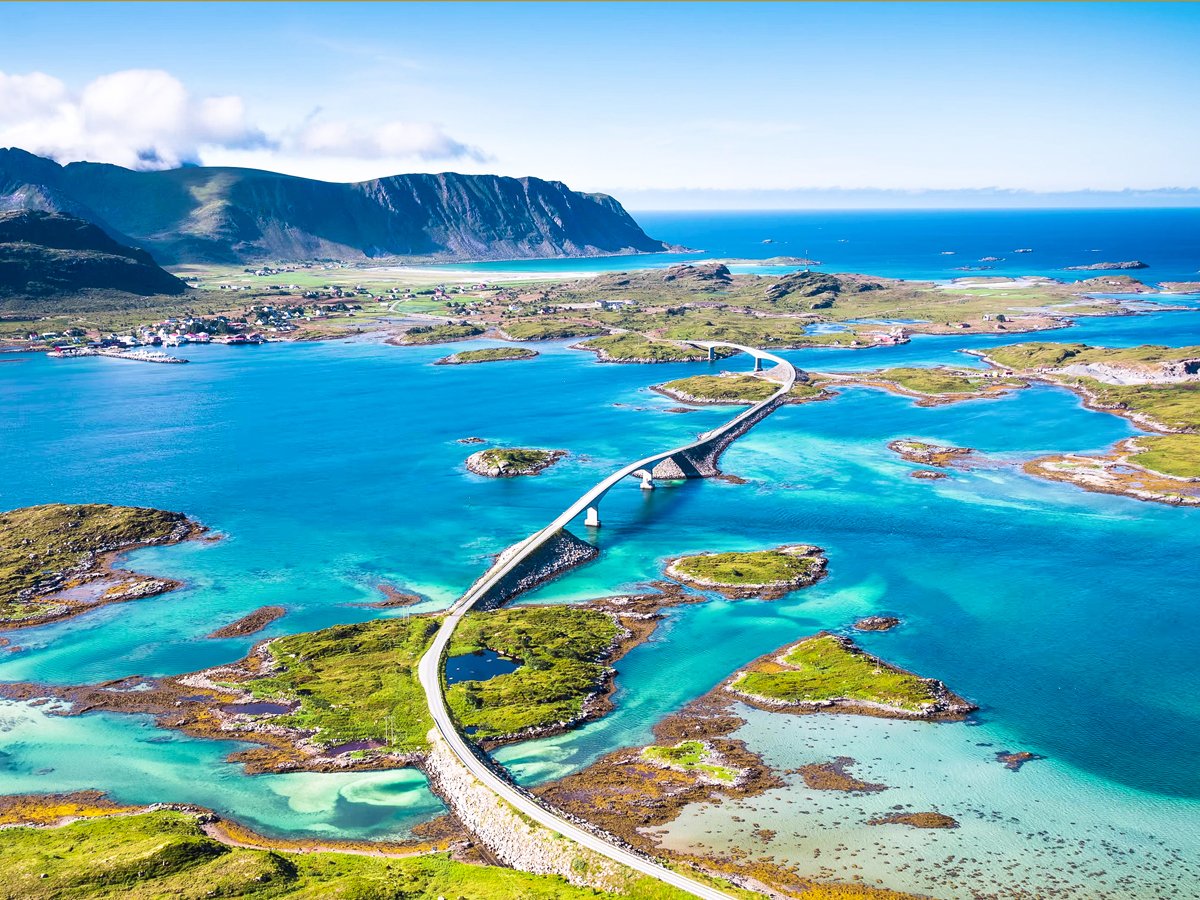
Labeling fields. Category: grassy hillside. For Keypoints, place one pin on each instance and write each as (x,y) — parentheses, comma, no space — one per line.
(560,648)
(47,256)
(166,854)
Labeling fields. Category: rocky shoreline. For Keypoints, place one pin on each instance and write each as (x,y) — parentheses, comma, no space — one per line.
(95,580)
(210,704)
(1116,473)
(216,703)
(627,795)
(250,624)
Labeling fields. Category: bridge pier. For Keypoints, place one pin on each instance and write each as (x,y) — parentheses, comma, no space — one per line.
(758,364)
(712,354)
(592,519)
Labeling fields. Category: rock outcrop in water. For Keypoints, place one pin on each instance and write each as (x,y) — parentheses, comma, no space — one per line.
(228,215)
(1109,266)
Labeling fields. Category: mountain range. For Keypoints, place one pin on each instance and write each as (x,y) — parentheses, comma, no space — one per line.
(52,255)
(227,215)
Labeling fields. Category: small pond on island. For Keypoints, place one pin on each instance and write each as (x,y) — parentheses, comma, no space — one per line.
(478,666)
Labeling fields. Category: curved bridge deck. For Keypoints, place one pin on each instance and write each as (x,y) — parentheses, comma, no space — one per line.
(696,459)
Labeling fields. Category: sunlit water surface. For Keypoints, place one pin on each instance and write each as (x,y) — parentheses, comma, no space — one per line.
(329,469)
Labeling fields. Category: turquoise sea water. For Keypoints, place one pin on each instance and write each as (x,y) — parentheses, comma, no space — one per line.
(331,468)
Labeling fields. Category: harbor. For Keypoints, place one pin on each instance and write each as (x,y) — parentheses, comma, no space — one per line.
(137,354)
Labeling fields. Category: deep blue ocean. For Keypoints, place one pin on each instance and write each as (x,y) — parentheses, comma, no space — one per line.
(329,468)
(920,244)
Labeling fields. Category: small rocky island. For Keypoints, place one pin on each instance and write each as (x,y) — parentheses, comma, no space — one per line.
(766,574)
(830,673)
(56,560)
(1109,266)
(929,454)
(486,354)
(509,462)
(916,820)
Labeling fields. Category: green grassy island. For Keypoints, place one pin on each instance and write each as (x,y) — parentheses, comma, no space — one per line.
(630,347)
(1155,386)
(440,334)
(942,383)
(562,651)
(169,854)
(830,672)
(691,756)
(719,389)
(54,559)
(349,696)
(757,573)
(353,683)
(486,354)
(508,462)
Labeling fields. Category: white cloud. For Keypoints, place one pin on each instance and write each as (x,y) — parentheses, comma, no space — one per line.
(141,118)
(387,140)
(147,119)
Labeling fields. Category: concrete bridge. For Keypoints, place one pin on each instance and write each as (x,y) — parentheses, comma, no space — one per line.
(552,550)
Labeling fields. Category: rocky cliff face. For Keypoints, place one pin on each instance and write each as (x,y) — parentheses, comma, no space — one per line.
(49,254)
(200,214)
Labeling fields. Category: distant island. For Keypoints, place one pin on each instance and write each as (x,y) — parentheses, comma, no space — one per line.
(1109,266)
(486,354)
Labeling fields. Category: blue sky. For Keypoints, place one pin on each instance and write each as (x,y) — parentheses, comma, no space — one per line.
(634,99)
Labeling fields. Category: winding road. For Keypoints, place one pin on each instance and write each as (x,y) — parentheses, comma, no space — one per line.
(429,669)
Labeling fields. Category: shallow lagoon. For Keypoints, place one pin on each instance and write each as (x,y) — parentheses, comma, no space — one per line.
(331,468)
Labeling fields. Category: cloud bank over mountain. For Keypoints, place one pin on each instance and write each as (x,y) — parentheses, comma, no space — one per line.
(147,119)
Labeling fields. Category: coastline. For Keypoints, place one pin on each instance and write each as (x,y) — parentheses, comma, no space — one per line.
(97,581)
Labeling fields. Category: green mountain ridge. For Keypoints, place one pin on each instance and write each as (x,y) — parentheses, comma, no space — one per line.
(229,215)
(50,255)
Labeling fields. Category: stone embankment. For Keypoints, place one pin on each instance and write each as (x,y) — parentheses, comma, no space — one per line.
(701,461)
(511,837)
(562,552)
